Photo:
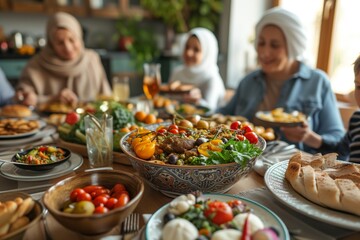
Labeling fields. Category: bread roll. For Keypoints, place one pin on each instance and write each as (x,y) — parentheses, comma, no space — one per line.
(7,210)
(16,110)
(19,223)
(332,183)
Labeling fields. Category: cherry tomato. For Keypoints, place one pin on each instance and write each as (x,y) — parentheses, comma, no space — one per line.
(92,188)
(174,131)
(101,209)
(173,126)
(43,149)
(100,201)
(99,192)
(72,118)
(118,194)
(119,187)
(240,137)
(162,131)
(83,197)
(122,200)
(219,212)
(111,202)
(234,203)
(252,137)
(247,128)
(74,193)
(235,125)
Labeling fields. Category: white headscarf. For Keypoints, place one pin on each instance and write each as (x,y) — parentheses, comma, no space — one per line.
(208,66)
(290,25)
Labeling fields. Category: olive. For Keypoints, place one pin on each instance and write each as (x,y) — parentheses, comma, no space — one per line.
(230,147)
(202,124)
(194,119)
(224,140)
(185,124)
(200,141)
(168,217)
(172,159)
(84,207)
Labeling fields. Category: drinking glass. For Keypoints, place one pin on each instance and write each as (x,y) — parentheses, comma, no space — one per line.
(152,80)
(99,140)
(121,89)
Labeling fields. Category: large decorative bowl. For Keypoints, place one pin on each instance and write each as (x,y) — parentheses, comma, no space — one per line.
(34,215)
(55,197)
(173,180)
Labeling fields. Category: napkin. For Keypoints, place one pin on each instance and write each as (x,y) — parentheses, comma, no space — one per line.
(309,228)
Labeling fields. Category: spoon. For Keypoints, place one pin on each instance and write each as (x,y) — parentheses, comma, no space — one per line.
(11,162)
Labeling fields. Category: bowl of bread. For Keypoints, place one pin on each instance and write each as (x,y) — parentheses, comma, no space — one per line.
(18,212)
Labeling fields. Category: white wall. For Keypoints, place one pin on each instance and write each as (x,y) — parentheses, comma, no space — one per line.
(240,53)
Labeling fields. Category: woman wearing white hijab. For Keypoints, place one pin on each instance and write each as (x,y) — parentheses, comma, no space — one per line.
(64,70)
(285,81)
(200,54)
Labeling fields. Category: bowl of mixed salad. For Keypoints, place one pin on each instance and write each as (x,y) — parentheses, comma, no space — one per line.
(178,159)
(214,216)
(41,158)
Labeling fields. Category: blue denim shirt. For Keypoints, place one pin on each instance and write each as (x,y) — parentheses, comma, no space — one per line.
(308,91)
(6,91)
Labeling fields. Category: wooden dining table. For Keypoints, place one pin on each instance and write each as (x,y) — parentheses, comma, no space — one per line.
(151,201)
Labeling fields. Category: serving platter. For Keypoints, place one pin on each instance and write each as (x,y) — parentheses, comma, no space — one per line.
(269,218)
(283,191)
(9,171)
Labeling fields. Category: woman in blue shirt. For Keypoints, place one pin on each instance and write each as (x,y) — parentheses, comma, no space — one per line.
(284,80)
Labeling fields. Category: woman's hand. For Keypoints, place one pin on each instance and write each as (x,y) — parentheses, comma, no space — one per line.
(28,98)
(302,134)
(67,96)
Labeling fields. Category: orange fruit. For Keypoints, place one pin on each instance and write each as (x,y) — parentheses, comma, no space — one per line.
(150,119)
(140,116)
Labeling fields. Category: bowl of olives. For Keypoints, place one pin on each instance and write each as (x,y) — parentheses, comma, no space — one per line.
(77,202)
(178,158)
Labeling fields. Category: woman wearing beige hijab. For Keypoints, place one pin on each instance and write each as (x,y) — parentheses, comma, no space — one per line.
(64,70)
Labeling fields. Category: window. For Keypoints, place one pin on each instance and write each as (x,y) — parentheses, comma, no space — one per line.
(338,45)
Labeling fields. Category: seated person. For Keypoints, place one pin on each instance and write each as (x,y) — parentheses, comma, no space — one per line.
(64,70)
(200,68)
(285,81)
(6,91)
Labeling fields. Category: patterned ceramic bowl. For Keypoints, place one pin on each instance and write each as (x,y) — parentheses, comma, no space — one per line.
(173,180)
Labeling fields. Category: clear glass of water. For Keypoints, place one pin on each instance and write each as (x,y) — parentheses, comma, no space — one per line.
(99,140)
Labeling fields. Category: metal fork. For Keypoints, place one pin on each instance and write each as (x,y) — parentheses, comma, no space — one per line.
(130,226)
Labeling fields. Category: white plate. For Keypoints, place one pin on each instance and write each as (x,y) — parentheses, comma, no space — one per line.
(281,188)
(270,219)
(268,123)
(47,131)
(12,172)
(26,134)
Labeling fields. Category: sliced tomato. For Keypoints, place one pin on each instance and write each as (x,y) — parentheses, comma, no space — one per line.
(219,212)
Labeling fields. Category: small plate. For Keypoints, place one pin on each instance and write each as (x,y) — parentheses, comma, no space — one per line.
(40,167)
(270,219)
(9,171)
(261,117)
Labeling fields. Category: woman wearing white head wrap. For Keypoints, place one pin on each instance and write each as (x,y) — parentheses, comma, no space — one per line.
(65,70)
(285,81)
(200,54)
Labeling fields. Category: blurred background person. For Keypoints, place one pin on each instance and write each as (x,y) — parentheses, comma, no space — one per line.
(200,69)
(284,80)
(64,70)
(6,90)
